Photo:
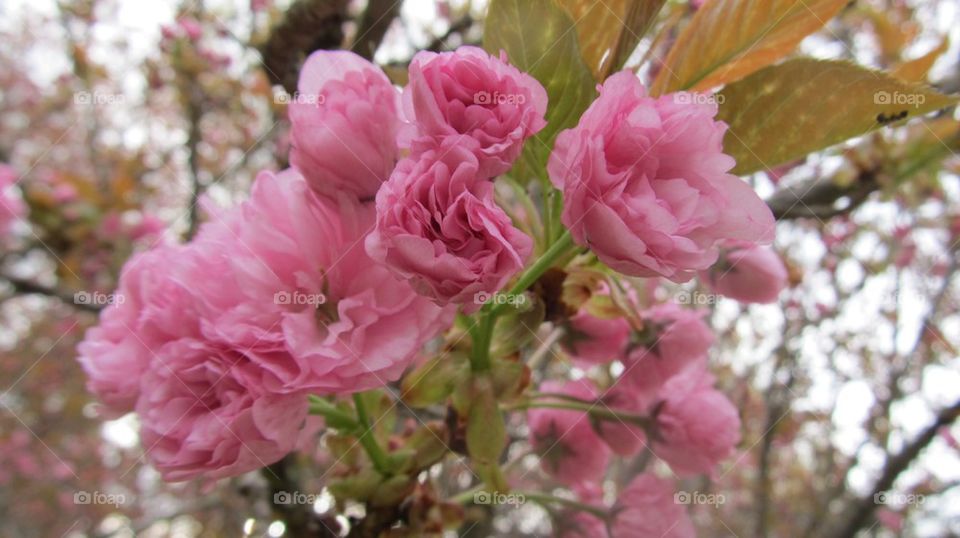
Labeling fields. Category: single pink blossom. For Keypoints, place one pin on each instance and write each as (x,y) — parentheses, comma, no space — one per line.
(696,425)
(439,227)
(747,272)
(624,438)
(344,123)
(673,339)
(480,102)
(647,509)
(592,340)
(569,449)
(645,183)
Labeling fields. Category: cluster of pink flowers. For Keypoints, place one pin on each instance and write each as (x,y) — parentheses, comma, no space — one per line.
(665,379)
(217,342)
(437,223)
(679,416)
(336,272)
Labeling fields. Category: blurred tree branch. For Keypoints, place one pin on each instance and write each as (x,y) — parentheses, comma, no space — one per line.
(856,516)
(25,286)
(818,198)
(309,25)
(374,23)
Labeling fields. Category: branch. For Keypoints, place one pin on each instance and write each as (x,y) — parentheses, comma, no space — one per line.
(28,287)
(309,25)
(818,198)
(194,115)
(462,26)
(299,518)
(859,514)
(777,402)
(374,23)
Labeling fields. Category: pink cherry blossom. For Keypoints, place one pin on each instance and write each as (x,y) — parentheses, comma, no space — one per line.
(439,227)
(148,309)
(204,412)
(748,273)
(673,339)
(574,523)
(696,425)
(645,183)
(480,102)
(345,120)
(592,340)
(569,449)
(12,207)
(308,303)
(624,438)
(647,509)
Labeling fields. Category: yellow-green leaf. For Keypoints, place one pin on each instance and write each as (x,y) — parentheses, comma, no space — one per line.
(609,31)
(916,70)
(539,39)
(729,39)
(803,105)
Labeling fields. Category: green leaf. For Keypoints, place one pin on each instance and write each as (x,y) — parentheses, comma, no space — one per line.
(729,39)
(787,111)
(609,31)
(539,39)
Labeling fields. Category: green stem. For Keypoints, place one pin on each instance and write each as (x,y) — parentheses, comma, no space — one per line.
(369,442)
(535,271)
(546,499)
(319,406)
(483,333)
(586,407)
(557,201)
(547,215)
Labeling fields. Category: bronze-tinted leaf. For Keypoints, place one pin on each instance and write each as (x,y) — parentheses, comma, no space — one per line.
(804,105)
(729,39)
